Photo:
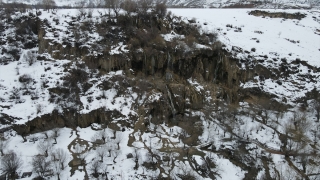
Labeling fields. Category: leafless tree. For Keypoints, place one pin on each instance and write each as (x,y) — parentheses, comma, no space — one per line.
(82,10)
(55,134)
(60,161)
(11,163)
(39,108)
(17,70)
(313,3)
(98,3)
(60,156)
(118,139)
(95,167)
(101,152)
(103,135)
(48,4)
(57,169)
(116,6)
(41,165)
(183,136)
(279,115)
(115,154)
(3,144)
(110,148)
(130,7)
(136,157)
(316,108)
(161,8)
(144,6)
(44,147)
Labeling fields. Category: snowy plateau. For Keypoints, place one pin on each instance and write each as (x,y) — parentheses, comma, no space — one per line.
(193,94)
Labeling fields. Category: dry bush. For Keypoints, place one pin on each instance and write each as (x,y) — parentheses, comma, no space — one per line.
(158,42)
(190,40)
(25,79)
(30,57)
(130,6)
(134,43)
(160,9)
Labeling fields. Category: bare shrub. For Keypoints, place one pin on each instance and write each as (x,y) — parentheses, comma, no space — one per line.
(130,6)
(26,80)
(39,108)
(161,9)
(30,57)
(144,6)
(15,94)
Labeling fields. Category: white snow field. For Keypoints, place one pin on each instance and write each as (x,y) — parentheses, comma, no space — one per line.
(272,38)
(271,32)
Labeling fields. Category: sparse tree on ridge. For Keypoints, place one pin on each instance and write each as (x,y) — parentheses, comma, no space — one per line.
(48,4)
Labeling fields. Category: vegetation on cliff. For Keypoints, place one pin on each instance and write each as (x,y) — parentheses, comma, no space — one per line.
(141,93)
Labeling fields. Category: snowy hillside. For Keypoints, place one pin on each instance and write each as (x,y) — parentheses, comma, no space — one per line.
(241,3)
(193,94)
(269,42)
(198,3)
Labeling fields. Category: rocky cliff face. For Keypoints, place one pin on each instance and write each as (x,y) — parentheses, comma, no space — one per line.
(184,80)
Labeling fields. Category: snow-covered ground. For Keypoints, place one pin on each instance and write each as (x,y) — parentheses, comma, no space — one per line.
(190,3)
(235,29)
(271,32)
(253,38)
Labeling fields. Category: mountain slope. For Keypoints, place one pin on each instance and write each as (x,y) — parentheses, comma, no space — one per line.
(200,4)
(150,96)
